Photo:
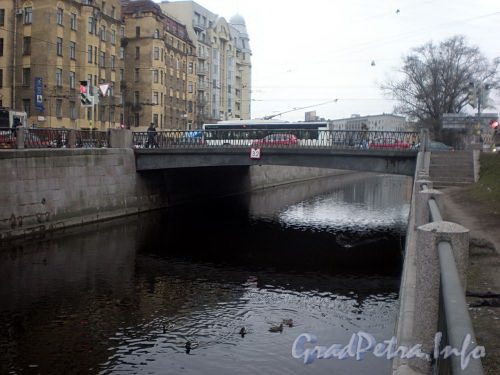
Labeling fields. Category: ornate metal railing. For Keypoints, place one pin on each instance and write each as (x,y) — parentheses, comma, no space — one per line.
(286,138)
(46,138)
(91,139)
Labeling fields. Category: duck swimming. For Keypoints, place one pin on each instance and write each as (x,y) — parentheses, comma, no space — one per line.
(243,331)
(288,322)
(276,328)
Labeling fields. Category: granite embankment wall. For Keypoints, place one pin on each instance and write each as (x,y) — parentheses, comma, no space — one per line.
(49,189)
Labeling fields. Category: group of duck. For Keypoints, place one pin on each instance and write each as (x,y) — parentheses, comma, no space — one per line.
(274,328)
(243,331)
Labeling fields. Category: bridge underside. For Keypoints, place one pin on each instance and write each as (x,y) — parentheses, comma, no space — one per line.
(381,161)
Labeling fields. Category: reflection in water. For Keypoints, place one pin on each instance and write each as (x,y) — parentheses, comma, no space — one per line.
(128,295)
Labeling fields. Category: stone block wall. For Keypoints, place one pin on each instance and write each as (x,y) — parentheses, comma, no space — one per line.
(49,189)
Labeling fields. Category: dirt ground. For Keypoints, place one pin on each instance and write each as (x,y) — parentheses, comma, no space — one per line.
(482,217)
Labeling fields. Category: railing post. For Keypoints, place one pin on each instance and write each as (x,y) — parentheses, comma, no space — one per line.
(424,140)
(71,138)
(120,138)
(422,212)
(20,136)
(428,279)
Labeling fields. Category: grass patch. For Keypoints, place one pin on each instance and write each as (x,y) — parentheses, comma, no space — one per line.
(487,189)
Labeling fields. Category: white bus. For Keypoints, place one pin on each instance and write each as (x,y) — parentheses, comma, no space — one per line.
(248,132)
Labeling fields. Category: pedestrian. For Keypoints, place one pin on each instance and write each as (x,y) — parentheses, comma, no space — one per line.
(152,137)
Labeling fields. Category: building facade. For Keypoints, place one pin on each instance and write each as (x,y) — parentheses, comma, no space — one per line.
(223,65)
(159,83)
(48,47)
(383,122)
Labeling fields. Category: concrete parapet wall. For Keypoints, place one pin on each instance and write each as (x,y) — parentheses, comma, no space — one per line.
(50,189)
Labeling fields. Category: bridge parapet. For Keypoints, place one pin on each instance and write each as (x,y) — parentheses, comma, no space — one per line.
(432,296)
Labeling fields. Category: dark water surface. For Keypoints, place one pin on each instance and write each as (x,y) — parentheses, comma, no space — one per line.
(126,296)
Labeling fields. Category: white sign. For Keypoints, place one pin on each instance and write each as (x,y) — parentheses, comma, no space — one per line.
(104,88)
(255,153)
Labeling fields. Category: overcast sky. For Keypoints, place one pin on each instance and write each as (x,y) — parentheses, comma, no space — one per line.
(314,51)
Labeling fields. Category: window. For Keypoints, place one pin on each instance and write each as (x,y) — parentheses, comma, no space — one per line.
(113,62)
(156,34)
(72,50)
(155,76)
(59,77)
(155,119)
(122,75)
(72,110)
(1,78)
(95,56)
(89,60)
(137,31)
(103,33)
(59,108)
(72,21)
(91,25)
(122,32)
(26,76)
(72,80)
(190,68)
(27,106)
(136,97)
(59,47)
(102,113)
(1,46)
(137,74)
(59,16)
(137,53)
(28,15)
(156,53)
(102,59)
(122,53)
(155,98)
(113,37)
(113,12)
(190,87)
(136,119)
(2,17)
(27,45)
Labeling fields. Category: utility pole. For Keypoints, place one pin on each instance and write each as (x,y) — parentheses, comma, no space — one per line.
(478,96)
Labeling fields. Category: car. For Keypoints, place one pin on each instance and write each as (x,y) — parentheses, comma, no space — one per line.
(276,139)
(389,143)
(439,146)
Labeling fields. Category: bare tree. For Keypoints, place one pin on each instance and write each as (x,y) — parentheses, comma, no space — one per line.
(436,80)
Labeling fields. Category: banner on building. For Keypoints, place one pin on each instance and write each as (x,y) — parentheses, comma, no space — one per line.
(39,94)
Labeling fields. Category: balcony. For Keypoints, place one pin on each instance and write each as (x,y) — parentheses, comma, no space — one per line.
(201,86)
(202,71)
(198,26)
(202,55)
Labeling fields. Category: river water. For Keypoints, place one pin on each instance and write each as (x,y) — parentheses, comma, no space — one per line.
(126,296)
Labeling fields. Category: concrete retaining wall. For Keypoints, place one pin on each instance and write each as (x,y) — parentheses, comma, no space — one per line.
(49,189)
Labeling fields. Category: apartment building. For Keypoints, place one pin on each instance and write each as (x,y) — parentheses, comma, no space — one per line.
(159,82)
(223,62)
(47,47)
